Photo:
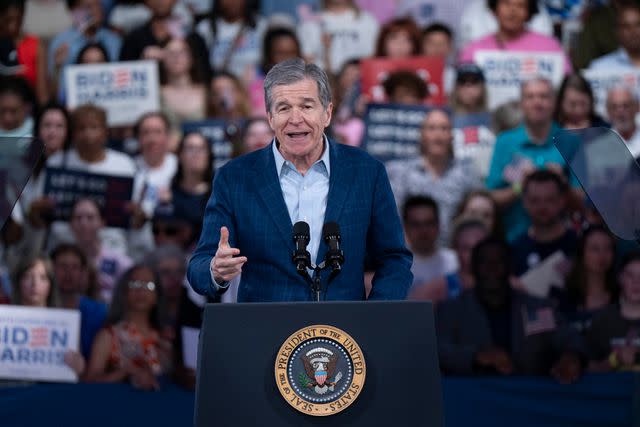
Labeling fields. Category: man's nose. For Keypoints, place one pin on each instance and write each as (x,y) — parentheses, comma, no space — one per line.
(296,115)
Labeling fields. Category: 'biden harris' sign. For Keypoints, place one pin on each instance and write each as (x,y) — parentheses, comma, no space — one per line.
(126,90)
(34,341)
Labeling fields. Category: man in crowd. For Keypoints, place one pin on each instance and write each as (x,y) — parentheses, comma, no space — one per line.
(544,196)
(520,151)
(156,165)
(88,20)
(627,56)
(622,108)
(422,227)
(494,330)
(301,176)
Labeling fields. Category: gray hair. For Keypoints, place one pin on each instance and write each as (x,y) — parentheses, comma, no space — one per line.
(621,87)
(537,79)
(163,252)
(292,71)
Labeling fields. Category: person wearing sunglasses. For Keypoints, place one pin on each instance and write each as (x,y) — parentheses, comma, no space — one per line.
(130,347)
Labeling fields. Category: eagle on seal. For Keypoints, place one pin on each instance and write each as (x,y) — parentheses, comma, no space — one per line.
(320,365)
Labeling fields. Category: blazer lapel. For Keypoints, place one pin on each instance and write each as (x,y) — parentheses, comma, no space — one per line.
(340,182)
(265,180)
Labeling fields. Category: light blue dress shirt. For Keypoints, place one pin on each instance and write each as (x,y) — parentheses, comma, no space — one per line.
(306,196)
(616,60)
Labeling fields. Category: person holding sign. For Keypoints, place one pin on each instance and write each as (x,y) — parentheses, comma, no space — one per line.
(512,34)
(34,285)
(301,176)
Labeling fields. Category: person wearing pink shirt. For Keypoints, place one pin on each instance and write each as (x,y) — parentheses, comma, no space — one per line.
(512,34)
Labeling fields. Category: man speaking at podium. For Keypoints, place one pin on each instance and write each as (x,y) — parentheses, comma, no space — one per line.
(300,176)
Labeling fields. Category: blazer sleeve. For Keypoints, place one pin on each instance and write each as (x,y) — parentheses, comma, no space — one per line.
(386,246)
(218,213)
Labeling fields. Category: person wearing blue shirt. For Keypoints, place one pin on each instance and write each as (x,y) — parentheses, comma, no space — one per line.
(70,270)
(301,176)
(88,18)
(520,151)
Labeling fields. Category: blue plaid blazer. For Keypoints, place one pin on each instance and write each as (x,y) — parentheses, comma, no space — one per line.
(247,199)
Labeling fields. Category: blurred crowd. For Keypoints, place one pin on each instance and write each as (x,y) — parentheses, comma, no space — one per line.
(525,275)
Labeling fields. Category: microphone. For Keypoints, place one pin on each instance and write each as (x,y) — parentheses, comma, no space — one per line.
(334,256)
(301,257)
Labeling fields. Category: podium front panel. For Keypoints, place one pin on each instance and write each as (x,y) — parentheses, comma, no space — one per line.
(239,344)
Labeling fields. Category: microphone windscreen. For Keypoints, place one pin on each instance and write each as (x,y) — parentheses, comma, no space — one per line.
(330,229)
(301,228)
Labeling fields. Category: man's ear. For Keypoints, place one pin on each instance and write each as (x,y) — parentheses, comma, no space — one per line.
(329,113)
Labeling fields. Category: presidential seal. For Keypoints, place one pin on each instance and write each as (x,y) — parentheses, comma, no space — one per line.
(320,370)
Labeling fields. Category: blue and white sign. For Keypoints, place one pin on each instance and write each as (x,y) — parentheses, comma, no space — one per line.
(505,71)
(34,341)
(393,131)
(126,90)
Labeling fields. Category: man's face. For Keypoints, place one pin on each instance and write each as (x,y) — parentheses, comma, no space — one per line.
(160,8)
(154,139)
(298,119)
(86,222)
(422,229)
(629,30)
(621,110)
(69,272)
(93,9)
(437,135)
(90,133)
(437,44)
(13,111)
(544,202)
(492,269)
(537,103)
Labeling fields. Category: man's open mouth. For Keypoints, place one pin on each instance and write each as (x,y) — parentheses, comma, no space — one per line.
(295,135)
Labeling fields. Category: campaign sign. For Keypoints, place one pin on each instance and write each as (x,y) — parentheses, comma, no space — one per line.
(33,342)
(375,71)
(126,90)
(504,72)
(111,193)
(603,80)
(393,131)
(221,135)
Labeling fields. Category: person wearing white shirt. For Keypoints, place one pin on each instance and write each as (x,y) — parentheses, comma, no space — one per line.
(622,109)
(156,165)
(341,30)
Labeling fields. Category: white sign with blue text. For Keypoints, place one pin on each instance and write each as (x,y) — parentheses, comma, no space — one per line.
(34,341)
(604,80)
(126,90)
(505,71)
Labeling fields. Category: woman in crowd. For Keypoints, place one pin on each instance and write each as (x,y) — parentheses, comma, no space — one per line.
(16,103)
(472,120)
(399,38)
(130,347)
(93,53)
(31,55)
(341,32)
(191,185)
(87,225)
(467,232)
(279,44)
(228,98)
(348,105)
(513,34)
(612,338)
(591,284)
(479,204)
(436,172)
(183,93)
(34,285)
(574,104)
(256,134)
(233,34)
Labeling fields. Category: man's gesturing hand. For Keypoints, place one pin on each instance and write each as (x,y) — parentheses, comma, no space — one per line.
(226,264)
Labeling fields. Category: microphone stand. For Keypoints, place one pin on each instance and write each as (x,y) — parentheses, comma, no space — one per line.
(315,280)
